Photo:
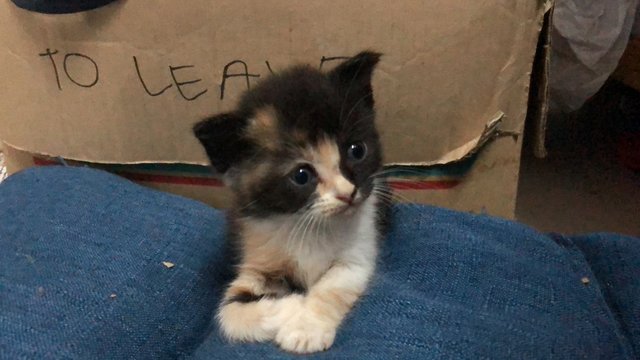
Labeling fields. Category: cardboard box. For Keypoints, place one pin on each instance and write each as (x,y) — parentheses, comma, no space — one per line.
(120,85)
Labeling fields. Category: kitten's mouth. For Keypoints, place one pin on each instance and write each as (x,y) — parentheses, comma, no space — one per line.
(346,209)
(346,205)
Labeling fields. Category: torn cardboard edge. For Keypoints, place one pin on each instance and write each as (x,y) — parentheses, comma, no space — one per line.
(435,177)
(538,103)
(3,168)
(490,131)
(444,173)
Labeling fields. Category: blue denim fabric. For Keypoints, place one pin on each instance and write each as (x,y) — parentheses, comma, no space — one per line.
(448,284)
(60,6)
(69,238)
(615,261)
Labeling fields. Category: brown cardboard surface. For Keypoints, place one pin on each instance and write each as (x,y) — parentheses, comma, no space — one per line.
(449,66)
(123,84)
(16,160)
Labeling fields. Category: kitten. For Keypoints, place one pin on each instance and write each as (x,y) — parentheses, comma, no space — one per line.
(301,154)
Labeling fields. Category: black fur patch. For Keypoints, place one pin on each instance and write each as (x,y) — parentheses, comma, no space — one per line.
(277,286)
(244,297)
(282,285)
(222,139)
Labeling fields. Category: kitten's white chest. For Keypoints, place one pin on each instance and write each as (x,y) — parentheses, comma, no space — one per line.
(310,265)
(309,249)
(351,238)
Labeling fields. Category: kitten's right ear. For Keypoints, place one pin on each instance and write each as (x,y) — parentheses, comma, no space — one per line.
(355,74)
(222,137)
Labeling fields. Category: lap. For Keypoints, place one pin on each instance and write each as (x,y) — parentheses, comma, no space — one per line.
(448,284)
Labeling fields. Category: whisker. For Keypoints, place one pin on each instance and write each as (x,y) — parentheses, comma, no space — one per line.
(247,205)
(297,239)
(387,200)
(303,238)
(354,126)
(316,232)
(403,200)
(297,227)
(390,195)
(292,231)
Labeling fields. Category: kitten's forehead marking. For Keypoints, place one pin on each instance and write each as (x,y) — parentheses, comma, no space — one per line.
(328,153)
(326,159)
(263,128)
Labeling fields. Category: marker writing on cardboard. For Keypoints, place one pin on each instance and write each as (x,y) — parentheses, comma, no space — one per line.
(178,79)
(245,74)
(178,83)
(144,84)
(66,67)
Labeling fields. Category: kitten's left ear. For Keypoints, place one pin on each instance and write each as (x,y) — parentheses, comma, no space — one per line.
(353,76)
(222,137)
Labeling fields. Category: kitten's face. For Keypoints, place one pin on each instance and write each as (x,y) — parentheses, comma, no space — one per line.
(301,141)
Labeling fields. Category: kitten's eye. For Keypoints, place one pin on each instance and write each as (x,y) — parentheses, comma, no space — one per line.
(302,175)
(357,151)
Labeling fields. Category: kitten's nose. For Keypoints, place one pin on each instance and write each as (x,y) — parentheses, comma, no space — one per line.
(348,199)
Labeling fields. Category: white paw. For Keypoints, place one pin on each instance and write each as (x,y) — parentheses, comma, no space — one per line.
(245,322)
(283,310)
(305,334)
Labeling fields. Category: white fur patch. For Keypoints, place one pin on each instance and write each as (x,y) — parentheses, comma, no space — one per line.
(316,241)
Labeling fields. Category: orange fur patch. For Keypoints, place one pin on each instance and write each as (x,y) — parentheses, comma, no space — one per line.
(332,303)
(326,159)
(260,254)
(263,128)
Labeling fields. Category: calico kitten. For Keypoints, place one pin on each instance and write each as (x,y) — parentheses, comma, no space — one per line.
(301,154)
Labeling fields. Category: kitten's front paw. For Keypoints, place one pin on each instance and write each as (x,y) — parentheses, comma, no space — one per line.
(244,321)
(284,309)
(306,334)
